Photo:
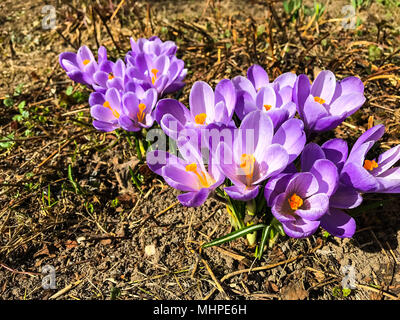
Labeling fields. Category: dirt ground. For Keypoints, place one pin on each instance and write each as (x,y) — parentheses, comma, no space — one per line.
(67,197)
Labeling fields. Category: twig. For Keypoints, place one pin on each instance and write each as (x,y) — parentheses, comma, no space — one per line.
(65,290)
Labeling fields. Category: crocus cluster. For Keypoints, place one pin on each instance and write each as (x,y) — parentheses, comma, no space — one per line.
(250,136)
(125,92)
(248,139)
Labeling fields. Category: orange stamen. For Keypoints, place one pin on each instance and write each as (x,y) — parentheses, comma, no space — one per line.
(154,78)
(319,100)
(370,165)
(85,62)
(141,114)
(110,76)
(247,165)
(203,177)
(200,118)
(295,202)
(115,113)
(267,107)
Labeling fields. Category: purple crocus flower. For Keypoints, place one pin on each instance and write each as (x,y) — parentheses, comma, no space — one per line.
(206,107)
(372,175)
(81,66)
(335,221)
(304,200)
(188,174)
(256,93)
(257,153)
(325,103)
(106,109)
(325,163)
(152,46)
(164,73)
(138,109)
(110,75)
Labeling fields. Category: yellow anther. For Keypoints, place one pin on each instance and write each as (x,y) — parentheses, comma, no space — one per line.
(85,62)
(200,118)
(319,100)
(295,202)
(370,165)
(110,76)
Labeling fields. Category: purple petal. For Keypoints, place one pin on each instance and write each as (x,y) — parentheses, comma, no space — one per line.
(281,209)
(258,76)
(194,199)
(314,207)
(242,84)
(336,150)
(287,79)
(266,96)
(311,153)
(324,86)
(338,223)
(301,92)
(179,178)
(292,137)
(328,123)
(104,126)
(387,159)
(272,159)
(300,228)
(389,181)
(96,98)
(312,112)
(201,99)
(358,177)
(275,186)
(303,184)
(345,197)
(174,108)
(327,175)
(278,116)
(157,159)
(242,193)
(373,134)
(225,91)
(347,104)
(256,132)
(101,113)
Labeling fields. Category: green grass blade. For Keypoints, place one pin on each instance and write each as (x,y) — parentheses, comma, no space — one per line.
(264,240)
(234,235)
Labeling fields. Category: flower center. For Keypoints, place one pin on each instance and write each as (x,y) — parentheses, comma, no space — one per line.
(141,114)
(115,113)
(110,76)
(154,77)
(85,62)
(370,165)
(200,118)
(267,107)
(247,166)
(203,177)
(319,100)
(295,201)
